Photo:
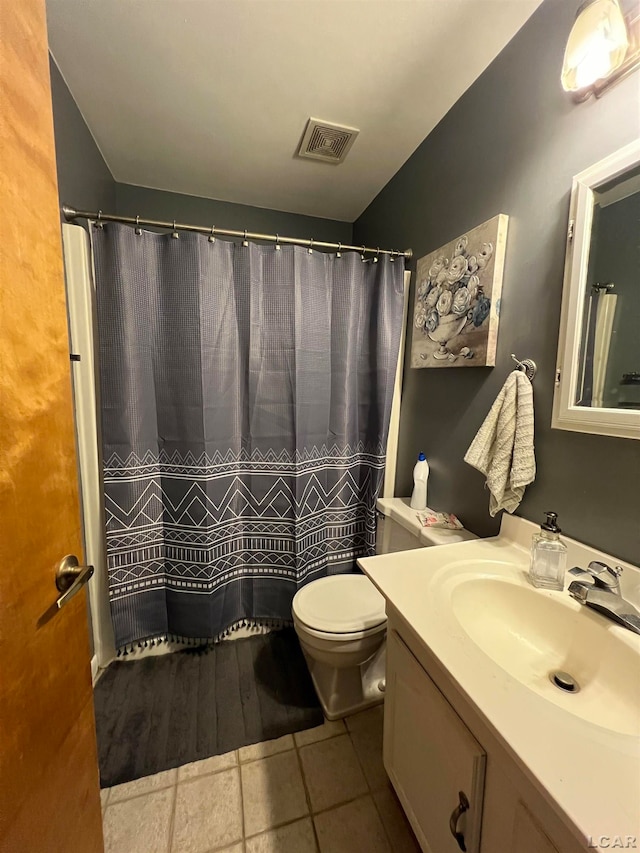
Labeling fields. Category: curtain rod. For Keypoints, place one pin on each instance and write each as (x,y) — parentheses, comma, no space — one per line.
(71,213)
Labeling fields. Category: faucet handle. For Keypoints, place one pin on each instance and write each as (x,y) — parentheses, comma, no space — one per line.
(598,566)
(604,576)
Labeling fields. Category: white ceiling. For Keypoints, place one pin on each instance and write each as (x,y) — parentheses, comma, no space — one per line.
(211,97)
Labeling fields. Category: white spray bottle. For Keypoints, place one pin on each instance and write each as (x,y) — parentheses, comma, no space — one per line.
(420,477)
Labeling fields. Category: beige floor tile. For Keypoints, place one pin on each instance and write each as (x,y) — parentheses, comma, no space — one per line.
(367,740)
(296,837)
(395,822)
(266,748)
(140,825)
(208,813)
(332,772)
(352,828)
(272,792)
(372,718)
(235,848)
(143,785)
(329,729)
(208,765)
(104,796)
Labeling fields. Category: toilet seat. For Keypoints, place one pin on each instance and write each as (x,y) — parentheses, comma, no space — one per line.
(343,606)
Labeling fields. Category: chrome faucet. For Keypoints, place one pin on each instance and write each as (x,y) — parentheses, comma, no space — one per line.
(599,588)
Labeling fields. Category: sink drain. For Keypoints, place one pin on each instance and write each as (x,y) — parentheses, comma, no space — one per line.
(564,681)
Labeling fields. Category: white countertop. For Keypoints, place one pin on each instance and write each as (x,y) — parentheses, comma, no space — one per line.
(591,773)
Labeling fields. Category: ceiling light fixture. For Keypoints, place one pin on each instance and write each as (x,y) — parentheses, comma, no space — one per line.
(603,46)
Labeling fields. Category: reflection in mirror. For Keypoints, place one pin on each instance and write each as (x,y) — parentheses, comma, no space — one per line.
(609,366)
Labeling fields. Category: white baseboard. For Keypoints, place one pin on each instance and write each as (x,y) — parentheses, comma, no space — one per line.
(94,669)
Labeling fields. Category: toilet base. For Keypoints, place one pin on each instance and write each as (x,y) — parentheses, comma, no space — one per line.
(347,690)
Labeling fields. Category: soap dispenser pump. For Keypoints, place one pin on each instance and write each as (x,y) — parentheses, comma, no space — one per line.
(548,555)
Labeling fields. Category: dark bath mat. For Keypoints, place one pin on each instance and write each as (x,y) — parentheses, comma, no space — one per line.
(160,712)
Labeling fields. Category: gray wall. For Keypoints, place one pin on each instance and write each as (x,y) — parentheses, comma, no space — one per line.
(157,204)
(511,144)
(84,179)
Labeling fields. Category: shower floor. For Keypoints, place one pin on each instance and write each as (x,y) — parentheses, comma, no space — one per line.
(166,711)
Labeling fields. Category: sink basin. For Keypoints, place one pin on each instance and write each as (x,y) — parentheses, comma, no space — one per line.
(532,633)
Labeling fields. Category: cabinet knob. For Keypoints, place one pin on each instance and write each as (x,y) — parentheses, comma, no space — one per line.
(456,814)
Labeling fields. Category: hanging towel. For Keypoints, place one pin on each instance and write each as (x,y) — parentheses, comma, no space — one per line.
(503,447)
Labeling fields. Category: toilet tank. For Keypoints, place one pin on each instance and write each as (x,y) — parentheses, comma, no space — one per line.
(392,537)
(400,530)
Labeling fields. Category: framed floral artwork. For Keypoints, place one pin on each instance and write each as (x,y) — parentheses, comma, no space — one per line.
(457,304)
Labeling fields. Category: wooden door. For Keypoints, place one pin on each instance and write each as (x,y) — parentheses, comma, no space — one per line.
(49,789)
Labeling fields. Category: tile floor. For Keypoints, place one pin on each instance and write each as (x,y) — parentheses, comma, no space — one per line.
(323,789)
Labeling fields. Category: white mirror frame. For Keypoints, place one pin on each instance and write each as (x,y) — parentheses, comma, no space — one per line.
(622,423)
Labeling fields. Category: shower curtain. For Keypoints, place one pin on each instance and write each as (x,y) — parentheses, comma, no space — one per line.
(600,312)
(245,397)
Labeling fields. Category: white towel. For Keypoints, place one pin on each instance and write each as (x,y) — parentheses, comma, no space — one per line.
(503,448)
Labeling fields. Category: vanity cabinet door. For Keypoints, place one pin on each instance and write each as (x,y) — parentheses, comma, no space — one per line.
(430,756)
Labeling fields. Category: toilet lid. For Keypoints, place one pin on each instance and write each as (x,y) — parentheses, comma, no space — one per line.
(340,604)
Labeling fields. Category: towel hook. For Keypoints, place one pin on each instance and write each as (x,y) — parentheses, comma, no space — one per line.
(526,366)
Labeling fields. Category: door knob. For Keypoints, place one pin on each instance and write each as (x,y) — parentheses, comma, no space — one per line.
(70,578)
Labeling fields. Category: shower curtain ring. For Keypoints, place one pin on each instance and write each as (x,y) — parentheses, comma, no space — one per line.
(277,242)
(311,246)
(375,260)
(339,252)
(98,223)
(174,233)
(138,229)
(245,242)
(212,239)
(362,251)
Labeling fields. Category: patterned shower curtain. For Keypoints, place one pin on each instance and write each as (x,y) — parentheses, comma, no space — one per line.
(245,396)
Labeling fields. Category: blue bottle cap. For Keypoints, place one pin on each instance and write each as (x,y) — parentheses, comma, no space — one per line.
(421,457)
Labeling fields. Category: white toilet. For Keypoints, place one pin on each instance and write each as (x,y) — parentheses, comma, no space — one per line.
(341,622)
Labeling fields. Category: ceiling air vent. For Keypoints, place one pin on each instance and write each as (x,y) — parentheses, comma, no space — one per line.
(325,141)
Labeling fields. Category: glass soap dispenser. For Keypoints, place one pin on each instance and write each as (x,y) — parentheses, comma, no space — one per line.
(548,555)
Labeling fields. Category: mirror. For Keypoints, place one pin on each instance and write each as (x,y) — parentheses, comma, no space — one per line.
(598,371)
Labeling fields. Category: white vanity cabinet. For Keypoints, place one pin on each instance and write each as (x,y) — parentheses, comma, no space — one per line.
(471,705)
(435,764)
(431,755)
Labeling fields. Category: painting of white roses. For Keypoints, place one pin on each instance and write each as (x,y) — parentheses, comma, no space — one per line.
(457,308)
